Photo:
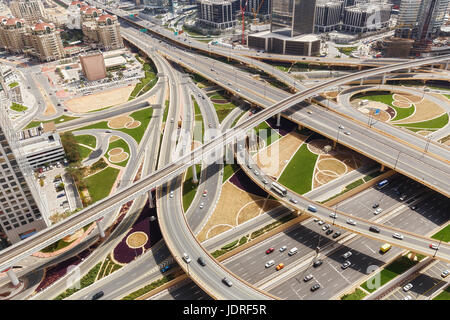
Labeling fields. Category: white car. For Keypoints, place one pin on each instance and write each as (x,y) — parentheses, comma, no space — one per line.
(351,222)
(256,172)
(186,258)
(346,133)
(377,211)
(407,287)
(321,222)
(445,273)
(397,236)
(408,297)
(315,219)
(283,248)
(270,263)
(341,127)
(265,181)
(202,205)
(325,227)
(333,215)
(171,194)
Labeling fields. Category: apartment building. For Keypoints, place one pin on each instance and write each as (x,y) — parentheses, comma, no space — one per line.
(12,34)
(108,29)
(30,10)
(46,42)
(216,14)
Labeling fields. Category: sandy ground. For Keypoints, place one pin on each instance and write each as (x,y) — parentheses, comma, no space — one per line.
(114,138)
(74,236)
(234,206)
(132,125)
(401,104)
(99,100)
(136,239)
(274,158)
(425,110)
(119,122)
(115,151)
(400,97)
(118,158)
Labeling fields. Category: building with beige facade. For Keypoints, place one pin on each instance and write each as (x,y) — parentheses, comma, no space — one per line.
(30,10)
(46,42)
(93,66)
(13,34)
(108,29)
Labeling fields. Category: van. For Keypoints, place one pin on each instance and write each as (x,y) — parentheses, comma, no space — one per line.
(293,251)
(312,208)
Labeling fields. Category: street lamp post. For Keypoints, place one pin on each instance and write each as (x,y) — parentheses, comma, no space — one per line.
(427,144)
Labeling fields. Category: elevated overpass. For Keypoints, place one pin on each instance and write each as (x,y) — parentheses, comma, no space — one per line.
(18,251)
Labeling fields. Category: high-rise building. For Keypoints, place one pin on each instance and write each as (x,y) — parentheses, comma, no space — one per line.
(328,15)
(407,18)
(366,16)
(12,34)
(23,209)
(46,41)
(296,17)
(217,14)
(260,8)
(74,15)
(108,29)
(30,10)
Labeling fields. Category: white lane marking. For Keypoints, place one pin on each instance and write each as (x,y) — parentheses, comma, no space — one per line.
(370,248)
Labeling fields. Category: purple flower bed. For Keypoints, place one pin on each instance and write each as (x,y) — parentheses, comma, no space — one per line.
(122,252)
(59,270)
(242,181)
(286,126)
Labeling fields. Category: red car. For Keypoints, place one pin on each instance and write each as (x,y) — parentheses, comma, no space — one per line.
(270,250)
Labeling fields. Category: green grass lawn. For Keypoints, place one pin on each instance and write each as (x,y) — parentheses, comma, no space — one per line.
(358,294)
(223,110)
(447,95)
(237,119)
(444,295)
(13,84)
(84,152)
(435,123)
(87,139)
(99,185)
(190,188)
(401,113)
(18,107)
(120,144)
(145,83)
(61,119)
(166,111)
(199,127)
(298,174)
(143,116)
(391,271)
(56,246)
(229,169)
(346,50)
(85,281)
(443,234)
(264,131)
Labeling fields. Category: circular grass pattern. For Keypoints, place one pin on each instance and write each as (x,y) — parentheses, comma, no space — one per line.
(137,240)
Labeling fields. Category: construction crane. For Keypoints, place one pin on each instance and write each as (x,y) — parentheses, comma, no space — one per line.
(257,11)
(243,20)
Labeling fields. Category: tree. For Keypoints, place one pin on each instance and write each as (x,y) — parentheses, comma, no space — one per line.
(70,147)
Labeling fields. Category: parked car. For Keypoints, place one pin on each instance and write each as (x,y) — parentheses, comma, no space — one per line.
(346,264)
(445,273)
(321,222)
(308,277)
(403,197)
(336,234)
(375,205)
(408,297)
(329,231)
(325,227)
(346,255)
(315,287)
(407,287)
(377,211)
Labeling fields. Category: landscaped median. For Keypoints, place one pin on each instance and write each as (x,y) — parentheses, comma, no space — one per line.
(189,187)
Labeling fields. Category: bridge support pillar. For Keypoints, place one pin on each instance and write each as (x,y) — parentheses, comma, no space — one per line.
(150,200)
(446,66)
(278,119)
(409,70)
(383,81)
(194,173)
(359,67)
(12,276)
(334,144)
(382,168)
(101,232)
(361,82)
(300,127)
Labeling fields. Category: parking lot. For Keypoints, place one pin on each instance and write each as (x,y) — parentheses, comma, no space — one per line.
(424,284)
(57,200)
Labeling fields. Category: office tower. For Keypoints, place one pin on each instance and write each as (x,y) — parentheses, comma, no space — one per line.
(23,210)
(217,14)
(366,16)
(294,16)
(328,15)
(407,18)
(30,10)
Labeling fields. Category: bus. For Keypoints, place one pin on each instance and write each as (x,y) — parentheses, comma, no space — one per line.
(279,188)
(382,184)
(385,247)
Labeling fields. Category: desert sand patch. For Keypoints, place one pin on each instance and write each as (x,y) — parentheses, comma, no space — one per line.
(114,138)
(231,200)
(136,239)
(132,125)
(332,165)
(118,158)
(317,146)
(400,97)
(401,104)
(273,159)
(119,122)
(115,151)
(425,110)
(99,100)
